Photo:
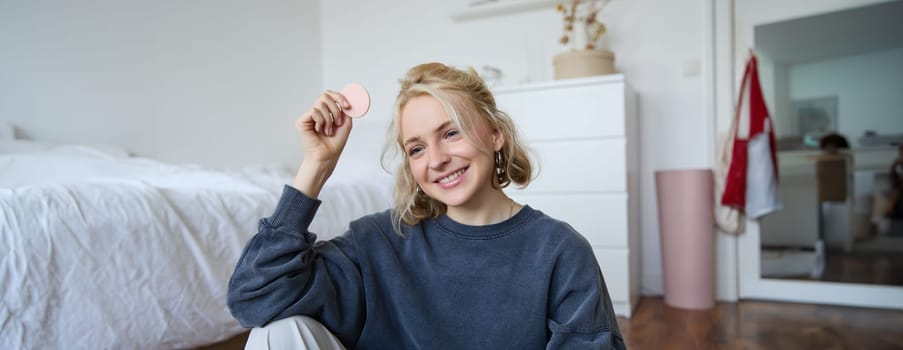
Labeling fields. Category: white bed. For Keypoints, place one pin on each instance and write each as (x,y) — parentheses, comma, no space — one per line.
(99,250)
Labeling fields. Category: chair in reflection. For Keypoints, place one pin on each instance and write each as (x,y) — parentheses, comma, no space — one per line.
(834,179)
(817,193)
(791,244)
(883,202)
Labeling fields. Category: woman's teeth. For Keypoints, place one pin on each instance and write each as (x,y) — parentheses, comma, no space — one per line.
(451,177)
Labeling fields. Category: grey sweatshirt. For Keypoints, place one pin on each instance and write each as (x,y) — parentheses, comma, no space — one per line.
(530,282)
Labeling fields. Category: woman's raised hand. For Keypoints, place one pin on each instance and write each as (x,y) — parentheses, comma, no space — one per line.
(324,130)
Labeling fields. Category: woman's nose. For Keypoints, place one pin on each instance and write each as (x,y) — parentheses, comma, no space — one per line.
(438,157)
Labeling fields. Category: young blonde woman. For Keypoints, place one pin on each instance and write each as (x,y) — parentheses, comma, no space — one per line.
(457,264)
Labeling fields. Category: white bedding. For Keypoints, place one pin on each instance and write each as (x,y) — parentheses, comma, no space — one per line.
(102,251)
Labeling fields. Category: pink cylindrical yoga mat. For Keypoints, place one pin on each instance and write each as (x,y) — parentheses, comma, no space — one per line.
(687,228)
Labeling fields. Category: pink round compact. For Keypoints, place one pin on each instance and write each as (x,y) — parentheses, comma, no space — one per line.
(358,98)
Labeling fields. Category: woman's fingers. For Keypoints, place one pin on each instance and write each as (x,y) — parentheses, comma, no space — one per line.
(318,119)
(340,103)
(331,106)
(304,122)
(327,113)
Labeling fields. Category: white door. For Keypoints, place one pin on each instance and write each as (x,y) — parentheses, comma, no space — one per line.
(748,14)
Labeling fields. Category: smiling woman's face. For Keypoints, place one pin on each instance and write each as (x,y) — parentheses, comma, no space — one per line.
(444,163)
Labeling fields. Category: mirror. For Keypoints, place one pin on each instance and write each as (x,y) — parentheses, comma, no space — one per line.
(834,86)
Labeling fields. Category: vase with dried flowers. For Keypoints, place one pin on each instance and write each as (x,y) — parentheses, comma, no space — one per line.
(582,33)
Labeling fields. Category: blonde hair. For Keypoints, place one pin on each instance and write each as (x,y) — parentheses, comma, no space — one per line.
(467,101)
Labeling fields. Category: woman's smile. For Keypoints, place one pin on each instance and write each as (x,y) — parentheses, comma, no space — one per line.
(449,181)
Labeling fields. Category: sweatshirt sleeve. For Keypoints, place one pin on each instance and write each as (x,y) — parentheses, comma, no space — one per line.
(581,315)
(285,272)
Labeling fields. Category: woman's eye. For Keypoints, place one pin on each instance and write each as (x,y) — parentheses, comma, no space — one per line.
(451,133)
(414,150)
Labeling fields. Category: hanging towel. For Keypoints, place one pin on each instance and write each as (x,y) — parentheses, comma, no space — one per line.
(748,159)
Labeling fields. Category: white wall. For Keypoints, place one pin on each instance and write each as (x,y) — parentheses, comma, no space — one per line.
(775,82)
(204,81)
(869,90)
(659,47)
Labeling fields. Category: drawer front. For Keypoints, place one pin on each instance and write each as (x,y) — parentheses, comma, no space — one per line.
(567,112)
(601,218)
(613,263)
(579,166)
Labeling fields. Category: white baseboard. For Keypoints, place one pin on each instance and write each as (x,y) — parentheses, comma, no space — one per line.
(622,309)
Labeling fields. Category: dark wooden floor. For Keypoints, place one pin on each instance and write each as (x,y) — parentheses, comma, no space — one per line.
(870,268)
(746,325)
(762,325)
(862,268)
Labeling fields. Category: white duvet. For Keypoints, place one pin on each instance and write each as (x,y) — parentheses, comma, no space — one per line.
(102,251)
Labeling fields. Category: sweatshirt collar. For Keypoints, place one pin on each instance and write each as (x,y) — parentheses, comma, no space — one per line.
(484,232)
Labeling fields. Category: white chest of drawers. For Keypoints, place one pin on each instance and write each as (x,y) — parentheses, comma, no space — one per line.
(583,134)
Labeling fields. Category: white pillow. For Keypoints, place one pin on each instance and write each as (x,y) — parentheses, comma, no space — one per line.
(103,151)
(100,150)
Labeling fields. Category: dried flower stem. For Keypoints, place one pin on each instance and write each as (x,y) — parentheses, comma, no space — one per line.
(591,25)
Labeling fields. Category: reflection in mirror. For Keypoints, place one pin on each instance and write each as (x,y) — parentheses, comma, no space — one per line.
(834,84)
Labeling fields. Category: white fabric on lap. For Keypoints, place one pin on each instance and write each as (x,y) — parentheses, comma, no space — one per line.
(293,333)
